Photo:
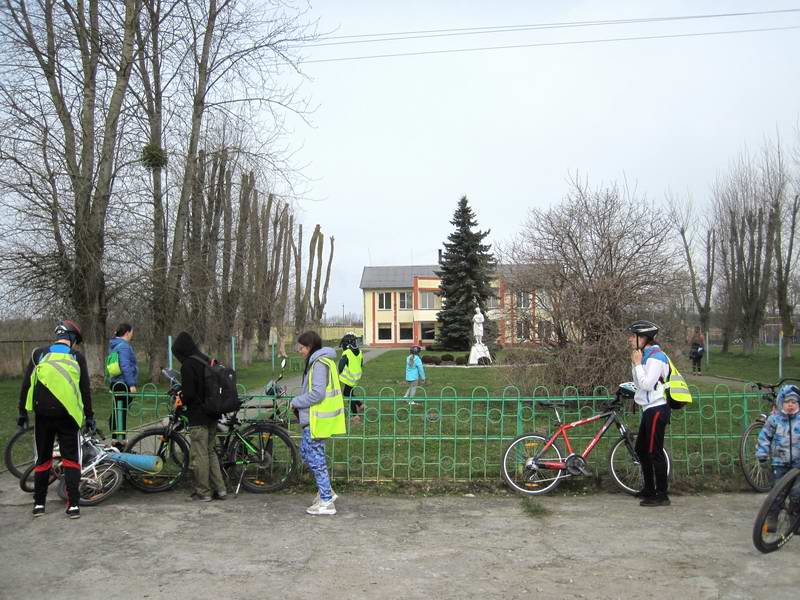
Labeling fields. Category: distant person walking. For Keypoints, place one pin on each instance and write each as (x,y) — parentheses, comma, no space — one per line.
(124,384)
(320,409)
(351,367)
(697,347)
(415,373)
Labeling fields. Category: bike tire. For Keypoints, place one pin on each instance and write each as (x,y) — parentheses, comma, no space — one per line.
(94,491)
(624,466)
(173,450)
(20,452)
(270,462)
(26,482)
(757,476)
(788,521)
(526,481)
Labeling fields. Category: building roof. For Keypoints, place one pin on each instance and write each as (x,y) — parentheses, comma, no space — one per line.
(403,277)
(394,277)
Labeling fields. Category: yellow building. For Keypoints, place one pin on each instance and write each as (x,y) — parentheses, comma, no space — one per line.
(400,306)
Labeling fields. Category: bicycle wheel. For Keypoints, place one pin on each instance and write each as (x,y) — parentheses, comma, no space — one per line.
(173,450)
(96,485)
(520,475)
(26,482)
(788,518)
(623,464)
(20,452)
(264,458)
(759,478)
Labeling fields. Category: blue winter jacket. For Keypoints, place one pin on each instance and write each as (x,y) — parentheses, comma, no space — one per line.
(319,383)
(780,437)
(127,362)
(415,370)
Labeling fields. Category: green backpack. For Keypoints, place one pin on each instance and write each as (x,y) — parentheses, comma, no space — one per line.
(113,368)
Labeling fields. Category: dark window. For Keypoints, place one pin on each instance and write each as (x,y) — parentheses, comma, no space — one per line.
(385,332)
(406,332)
(428,330)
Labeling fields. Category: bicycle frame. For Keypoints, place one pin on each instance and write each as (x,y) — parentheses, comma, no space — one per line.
(611,418)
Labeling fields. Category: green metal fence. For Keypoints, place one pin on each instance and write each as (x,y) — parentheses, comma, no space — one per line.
(459,438)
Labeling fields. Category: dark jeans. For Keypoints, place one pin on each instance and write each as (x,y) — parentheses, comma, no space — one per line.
(118,421)
(650,449)
(696,362)
(355,404)
(46,430)
(794,492)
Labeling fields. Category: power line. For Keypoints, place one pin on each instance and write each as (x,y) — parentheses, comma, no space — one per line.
(545,44)
(430,33)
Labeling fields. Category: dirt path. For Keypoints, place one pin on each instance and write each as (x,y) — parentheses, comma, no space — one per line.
(598,546)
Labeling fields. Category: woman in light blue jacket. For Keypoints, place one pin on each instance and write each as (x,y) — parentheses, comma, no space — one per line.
(415,373)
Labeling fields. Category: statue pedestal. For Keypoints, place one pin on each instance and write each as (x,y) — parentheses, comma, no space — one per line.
(478,351)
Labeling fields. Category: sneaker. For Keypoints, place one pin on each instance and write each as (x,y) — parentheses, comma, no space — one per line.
(412,403)
(334,498)
(322,508)
(655,501)
(201,498)
(38,510)
(73,512)
(219,495)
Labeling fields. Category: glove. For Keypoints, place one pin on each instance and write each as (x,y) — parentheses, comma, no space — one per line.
(22,420)
(90,424)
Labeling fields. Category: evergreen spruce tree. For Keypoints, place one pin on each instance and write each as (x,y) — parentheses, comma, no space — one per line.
(466,269)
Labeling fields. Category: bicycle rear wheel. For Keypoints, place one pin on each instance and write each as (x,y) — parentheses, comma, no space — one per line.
(173,450)
(26,482)
(20,452)
(787,521)
(518,472)
(264,458)
(758,477)
(96,485)
(624,466)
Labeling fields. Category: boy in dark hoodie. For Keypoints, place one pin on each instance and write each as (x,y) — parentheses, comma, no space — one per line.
(208,481)
(779,440)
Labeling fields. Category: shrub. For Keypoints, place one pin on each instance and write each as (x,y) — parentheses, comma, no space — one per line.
(447,358)
(436,360)
(462,360)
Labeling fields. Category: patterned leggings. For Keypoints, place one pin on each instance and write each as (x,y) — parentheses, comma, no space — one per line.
(313,454)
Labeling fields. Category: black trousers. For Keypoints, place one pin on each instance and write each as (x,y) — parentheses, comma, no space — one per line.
(355,405)
(650,449)
(118,421)
(46,430)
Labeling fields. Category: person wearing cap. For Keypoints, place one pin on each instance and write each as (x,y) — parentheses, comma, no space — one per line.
(55,387)
(779,443)
(650,368)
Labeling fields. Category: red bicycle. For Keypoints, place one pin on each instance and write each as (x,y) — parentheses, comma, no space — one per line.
(534,464)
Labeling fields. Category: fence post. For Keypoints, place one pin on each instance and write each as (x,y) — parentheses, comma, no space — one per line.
(780,354)
(169,352)
(233,352)
(708,350)
(273,355)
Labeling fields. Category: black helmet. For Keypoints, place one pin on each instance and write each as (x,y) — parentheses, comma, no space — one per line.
(349,340)
(416,349)
(646,329)
(68,330)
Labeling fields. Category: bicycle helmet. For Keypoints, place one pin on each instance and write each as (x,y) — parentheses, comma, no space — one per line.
(68,330)
(646,329)
(626,390)
(416,349)
(349,340)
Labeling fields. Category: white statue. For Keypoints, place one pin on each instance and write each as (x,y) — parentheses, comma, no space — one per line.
(477,325)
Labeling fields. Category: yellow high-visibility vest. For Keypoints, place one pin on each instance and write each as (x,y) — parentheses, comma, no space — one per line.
(326,418)
(353,369)
(61,374)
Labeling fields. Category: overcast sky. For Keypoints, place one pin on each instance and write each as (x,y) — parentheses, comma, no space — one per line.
(395,142)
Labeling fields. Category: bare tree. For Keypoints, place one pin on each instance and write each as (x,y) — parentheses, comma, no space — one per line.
(777,185)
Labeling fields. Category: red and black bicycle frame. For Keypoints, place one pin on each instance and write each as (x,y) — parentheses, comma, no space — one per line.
(611,419)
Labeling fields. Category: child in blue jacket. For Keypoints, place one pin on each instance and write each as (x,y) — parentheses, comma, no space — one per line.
(779,441)
(415,373)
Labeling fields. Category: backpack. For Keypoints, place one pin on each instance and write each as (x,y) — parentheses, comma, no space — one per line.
(676,390)
(220,388)
(113,368)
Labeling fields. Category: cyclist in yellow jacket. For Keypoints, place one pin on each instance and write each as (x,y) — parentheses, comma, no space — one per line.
(351,368)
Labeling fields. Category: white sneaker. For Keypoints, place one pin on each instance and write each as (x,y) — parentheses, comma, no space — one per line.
(412,403)
(322,508)
(317,499)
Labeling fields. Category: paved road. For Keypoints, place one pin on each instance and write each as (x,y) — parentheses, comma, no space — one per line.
(597,546)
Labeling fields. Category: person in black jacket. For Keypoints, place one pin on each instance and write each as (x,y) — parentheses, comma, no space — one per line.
(56,388)
(208,481)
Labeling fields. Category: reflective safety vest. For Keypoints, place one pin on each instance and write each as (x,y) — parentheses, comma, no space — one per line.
(61,375)
(352,370)
(676,389)
(326,418)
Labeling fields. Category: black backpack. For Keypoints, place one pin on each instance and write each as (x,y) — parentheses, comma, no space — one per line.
(220,386)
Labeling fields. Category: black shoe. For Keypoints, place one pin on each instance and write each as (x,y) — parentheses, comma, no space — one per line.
(644,494)
(200,498)
(655,501)
(220,495)
(38,510)
(74,512)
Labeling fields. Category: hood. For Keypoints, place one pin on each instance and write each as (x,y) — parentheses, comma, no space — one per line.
(184,346)
(786,391)
(323,352)
(115,342)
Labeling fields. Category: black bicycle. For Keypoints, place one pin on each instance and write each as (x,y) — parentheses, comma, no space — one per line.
(20,451)
(258,455)
(779,517)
